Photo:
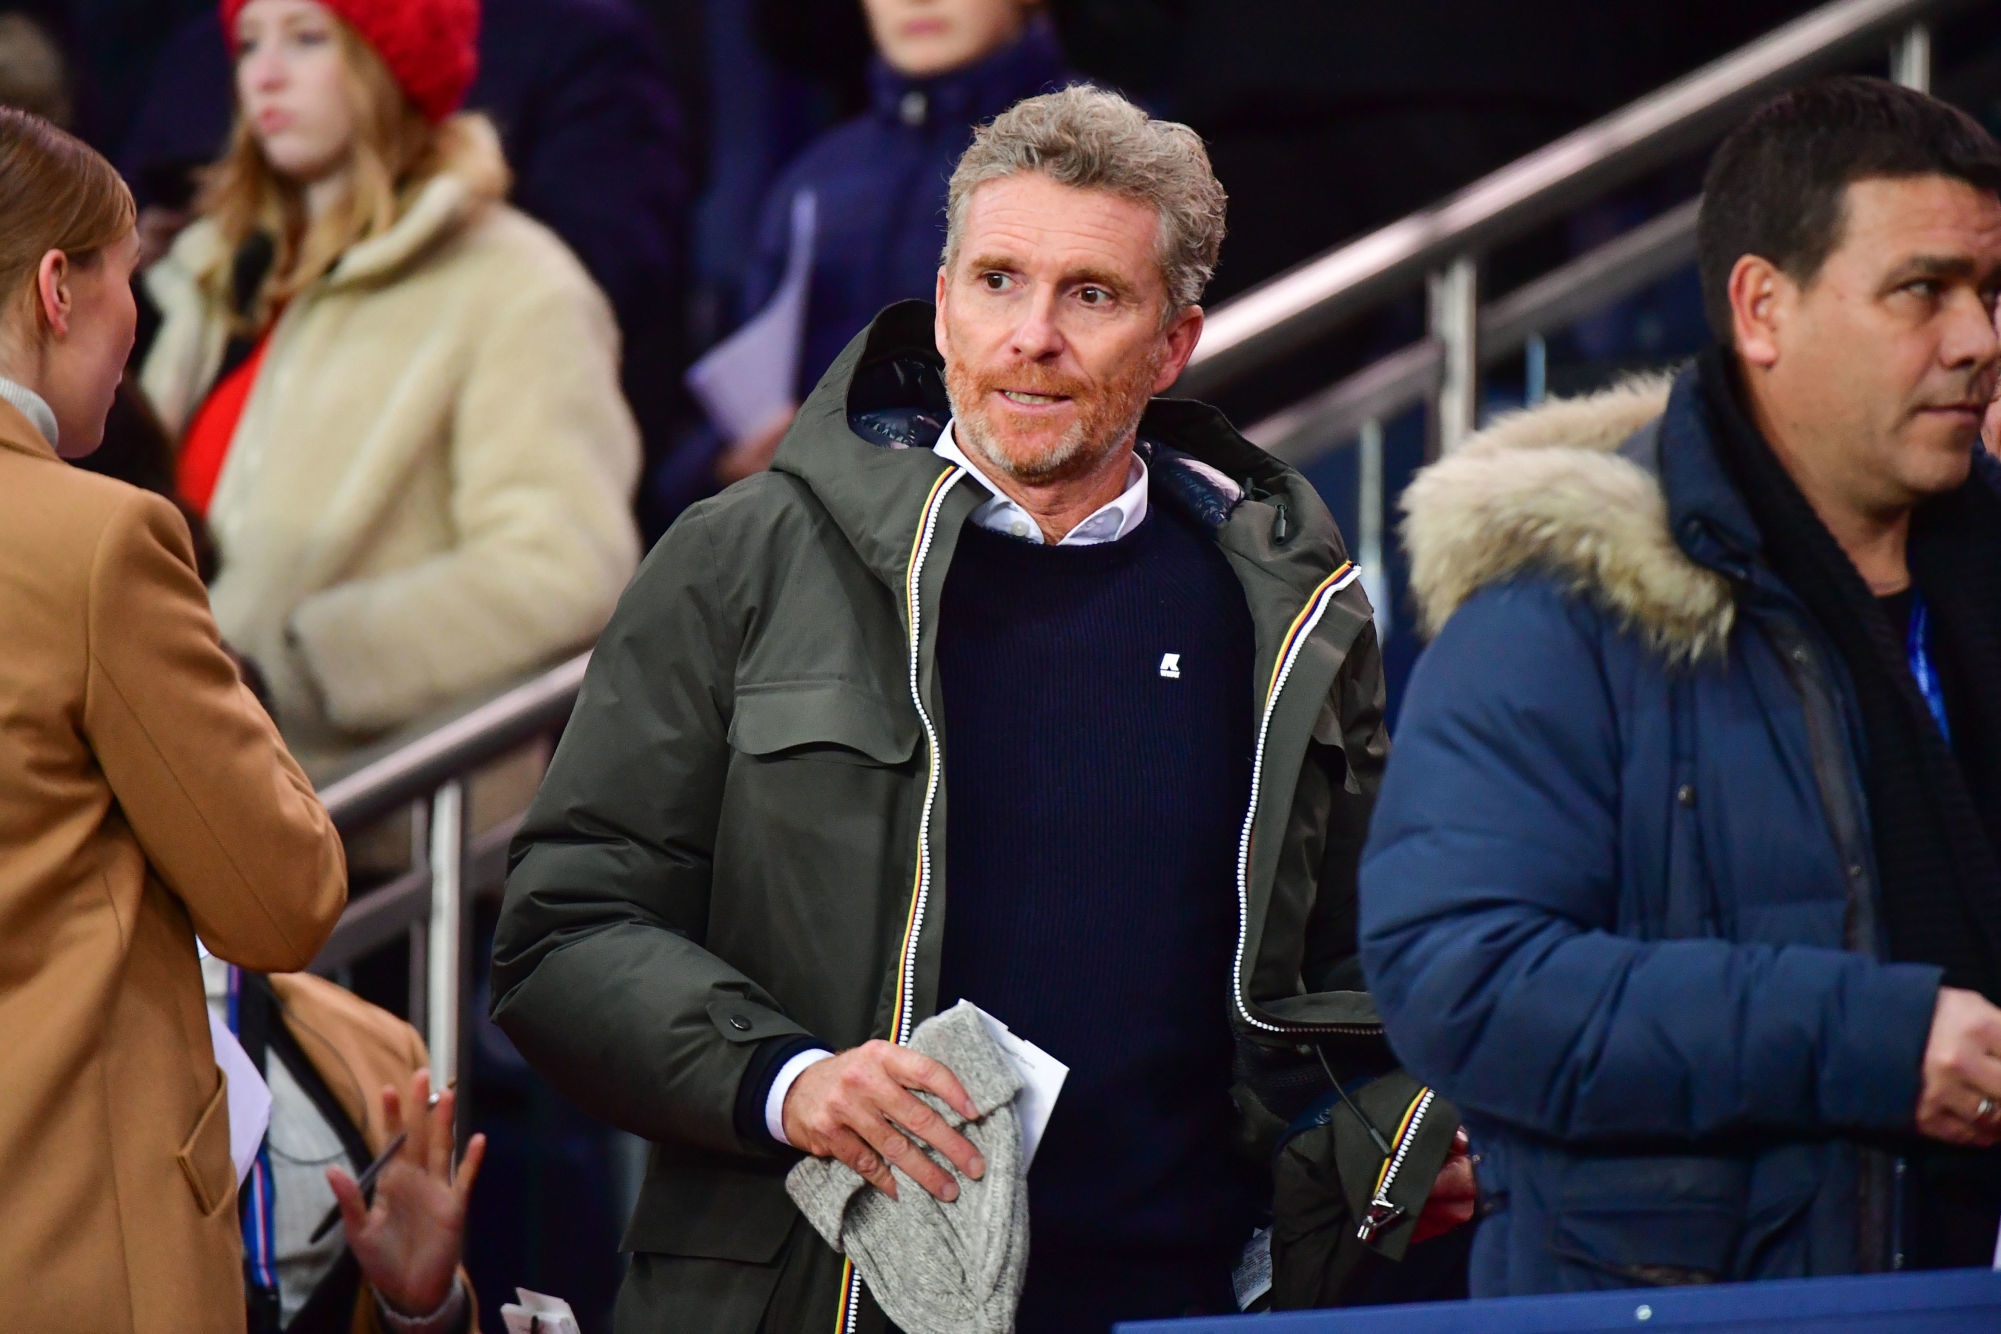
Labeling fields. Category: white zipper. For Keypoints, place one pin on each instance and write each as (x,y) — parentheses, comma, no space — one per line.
(851,1305)
(907,973)
(916,599)
(1381,1212)
(1315,608)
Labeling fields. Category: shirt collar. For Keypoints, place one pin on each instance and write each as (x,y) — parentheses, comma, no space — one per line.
(1108,523)
(32,406)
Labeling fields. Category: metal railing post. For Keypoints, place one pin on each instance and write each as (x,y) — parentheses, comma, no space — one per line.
(1454,293)
(1535,370)
(445,931)
(1911,58)
(417,941)
(1371,519)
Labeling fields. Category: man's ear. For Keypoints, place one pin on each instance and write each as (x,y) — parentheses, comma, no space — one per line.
(52,294)
(1760,300)
(938,311)
(1182,336)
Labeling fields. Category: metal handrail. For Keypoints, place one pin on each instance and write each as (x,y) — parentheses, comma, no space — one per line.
(1279,315)
(406,768)
(1403,379)
(426,770)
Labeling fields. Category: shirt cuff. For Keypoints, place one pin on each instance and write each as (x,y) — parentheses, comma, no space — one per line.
(447,1319)
(781,1084)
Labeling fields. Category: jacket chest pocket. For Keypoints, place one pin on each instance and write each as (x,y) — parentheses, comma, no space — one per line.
(829,722)
(818,827)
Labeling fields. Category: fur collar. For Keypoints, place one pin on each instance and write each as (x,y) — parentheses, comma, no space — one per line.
(1546,490)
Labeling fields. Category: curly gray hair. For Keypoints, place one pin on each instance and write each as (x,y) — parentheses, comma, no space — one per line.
(1096,140)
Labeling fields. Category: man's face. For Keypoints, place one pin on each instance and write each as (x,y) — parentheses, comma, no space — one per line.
(923,38)
(1049,319)
(1886,362)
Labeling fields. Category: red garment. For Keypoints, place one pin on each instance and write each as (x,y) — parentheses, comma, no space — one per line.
(428,45)
(205,446)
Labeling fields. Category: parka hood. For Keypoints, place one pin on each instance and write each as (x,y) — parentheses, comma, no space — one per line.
(1548,490)
(884,399)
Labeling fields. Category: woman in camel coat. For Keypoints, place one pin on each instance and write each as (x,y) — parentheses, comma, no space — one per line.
(144,797)
(397,398)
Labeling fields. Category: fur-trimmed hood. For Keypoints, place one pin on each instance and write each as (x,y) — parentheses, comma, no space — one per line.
(1547,490)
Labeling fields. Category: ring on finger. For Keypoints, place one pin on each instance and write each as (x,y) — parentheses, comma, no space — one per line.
(1984,1110)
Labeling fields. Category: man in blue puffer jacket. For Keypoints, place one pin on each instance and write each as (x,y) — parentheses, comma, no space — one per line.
(1683,883)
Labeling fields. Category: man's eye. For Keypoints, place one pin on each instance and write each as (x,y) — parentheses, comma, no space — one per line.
(995,282)
(1927,288)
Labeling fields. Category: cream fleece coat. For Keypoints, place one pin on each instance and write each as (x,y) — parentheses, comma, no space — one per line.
(430,487)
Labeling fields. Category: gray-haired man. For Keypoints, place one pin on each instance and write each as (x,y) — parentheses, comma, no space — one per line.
(996,620)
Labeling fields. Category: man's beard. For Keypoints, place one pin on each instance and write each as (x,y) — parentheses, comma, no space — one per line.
(1106,420)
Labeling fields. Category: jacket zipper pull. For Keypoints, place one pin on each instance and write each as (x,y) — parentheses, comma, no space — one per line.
(1280,528)
(1380,1215)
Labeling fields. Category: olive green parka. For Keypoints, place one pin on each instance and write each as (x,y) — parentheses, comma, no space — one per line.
(741,835)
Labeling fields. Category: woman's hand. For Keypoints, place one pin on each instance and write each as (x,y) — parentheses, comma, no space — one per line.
(408,1241)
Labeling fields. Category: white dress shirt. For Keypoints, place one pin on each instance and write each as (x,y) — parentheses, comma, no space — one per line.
(1108,523)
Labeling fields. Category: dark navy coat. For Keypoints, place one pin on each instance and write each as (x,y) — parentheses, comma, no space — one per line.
(879,182)
(1618,900)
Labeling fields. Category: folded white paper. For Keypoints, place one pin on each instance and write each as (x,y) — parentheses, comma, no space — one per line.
(1042,1077)
(745,383)
(249,1096)
(538,1313)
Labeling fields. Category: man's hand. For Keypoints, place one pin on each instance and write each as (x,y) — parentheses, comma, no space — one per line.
(1962,1067)
(858,1107)
(1452,1196)
(407,1242)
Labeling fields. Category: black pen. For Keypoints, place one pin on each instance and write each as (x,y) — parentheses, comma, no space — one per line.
(366,1182)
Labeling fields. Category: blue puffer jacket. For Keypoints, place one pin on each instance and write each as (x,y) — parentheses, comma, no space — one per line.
(1618,900)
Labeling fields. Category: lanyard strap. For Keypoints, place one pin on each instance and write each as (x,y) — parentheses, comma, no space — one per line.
(260,1231)
(1918,645)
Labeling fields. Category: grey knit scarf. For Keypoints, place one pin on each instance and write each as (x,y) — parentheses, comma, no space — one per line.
(938,1268)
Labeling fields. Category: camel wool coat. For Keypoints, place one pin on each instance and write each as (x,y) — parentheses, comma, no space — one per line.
(430,487)
(144,797)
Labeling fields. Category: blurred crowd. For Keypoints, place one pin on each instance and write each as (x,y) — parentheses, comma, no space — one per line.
(423,441)
(446,309)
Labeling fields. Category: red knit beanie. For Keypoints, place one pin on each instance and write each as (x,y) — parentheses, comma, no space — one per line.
(428,45)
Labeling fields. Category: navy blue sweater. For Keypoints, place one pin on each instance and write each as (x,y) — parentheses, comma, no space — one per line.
(1098,736)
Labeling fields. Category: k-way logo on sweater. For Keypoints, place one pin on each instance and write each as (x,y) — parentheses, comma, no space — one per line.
(1170,666)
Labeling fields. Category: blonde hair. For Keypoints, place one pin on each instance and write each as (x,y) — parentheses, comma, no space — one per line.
(396,152)
(1096,140)
(56,193)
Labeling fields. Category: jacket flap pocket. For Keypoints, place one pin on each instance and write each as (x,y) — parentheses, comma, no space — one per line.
(1658,1221)
(699,1206)
(819,720)
(204,1154)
